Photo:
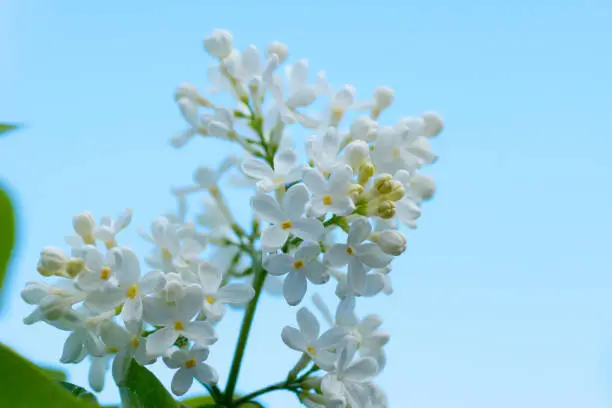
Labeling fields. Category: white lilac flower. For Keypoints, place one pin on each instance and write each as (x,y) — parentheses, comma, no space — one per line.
(190,364)
(391,241)
(315,400)
(360,256)
(330,195)
(217,296)
(84,225)
(101,269)
(128,343)
(286,220)
(109,228)
(286,170)
(356,153)
(401,149)
(320,348)
(189,110)
(218,43)
(175,320)
(97,371)
(130,290)
(374,284)
(206,178)
(83,340)
(213,218)
(350,377)
(323,151)
(302,265)
(340,102)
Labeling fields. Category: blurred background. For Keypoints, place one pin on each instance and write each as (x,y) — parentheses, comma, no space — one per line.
(503,297)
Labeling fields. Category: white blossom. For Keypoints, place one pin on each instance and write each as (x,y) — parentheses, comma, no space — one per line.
(190,364)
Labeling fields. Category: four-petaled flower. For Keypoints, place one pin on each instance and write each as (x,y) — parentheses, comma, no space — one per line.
(190,364)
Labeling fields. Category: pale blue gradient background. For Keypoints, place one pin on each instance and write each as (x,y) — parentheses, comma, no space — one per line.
(504,297)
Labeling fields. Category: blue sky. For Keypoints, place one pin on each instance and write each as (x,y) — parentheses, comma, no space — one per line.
(503,298)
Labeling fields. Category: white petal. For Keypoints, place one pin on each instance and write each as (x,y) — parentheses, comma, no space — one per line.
(206,374)
(235,293)
(202,333)
(189,110)
(105,300)
(97,372)
(210,278)
(374,284)
(315,181)
(309,229)
(346,355)
(128,271)
(316,272)
(156,311)
(294,338)
(340,178)
(190,303)
(205,176)
(250,61)
(360,230)
(132,309)
(308,323)
(337,255)
(371,255)
(121,364)
(331,338)
(152,282)
(257,169)
(94,259)
(302,97)
(267,209)
(160,341)
(182,380)
(72,348)
(362,370)
(297,74)
(295,199)
(278,264)
(294,287)
(273,237)
(307,252)
(284,161)
(113,335)
(357,275)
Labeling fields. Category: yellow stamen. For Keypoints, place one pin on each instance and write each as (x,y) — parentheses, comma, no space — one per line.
(105,273)
(178,325)
(190,363)
(166,255)
(134,341)
(286,225)
(132,291)
(110,243)
(210,299)
(311,350)
(327,200)
(349,250)
(298,264)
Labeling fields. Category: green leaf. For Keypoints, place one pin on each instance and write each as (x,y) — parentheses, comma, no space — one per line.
(199,402)
(24,385)
(141,389)
(79,392)
(8,127)
(54,373)
(7,233)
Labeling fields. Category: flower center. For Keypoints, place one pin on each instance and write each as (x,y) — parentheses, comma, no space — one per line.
(166,255)
(349,250)
(134,341)
(210,299)
(310,349)
(105,273)
(327,200)
(190,363)
(286,225)
(110,243)
(298,264)
(132,291)
(178,325)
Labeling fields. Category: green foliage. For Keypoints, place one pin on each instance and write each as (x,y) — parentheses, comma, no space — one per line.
(54,373)
(206,401)
(24,385)
(141,389)
(8,127)
(79,392)
(7,233)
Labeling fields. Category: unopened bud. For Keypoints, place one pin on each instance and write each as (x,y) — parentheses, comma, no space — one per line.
(52,307)
(356,153)
(433,124)
(397,191)
(75,266)
(383,97)
(392,242)
(366,170)
(422,186)
(382,183)
(219,43)
(279,49)
(386,210)
(34,292)
(52,261)
(84,224)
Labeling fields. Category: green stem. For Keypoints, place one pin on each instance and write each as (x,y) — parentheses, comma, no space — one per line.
(247,322)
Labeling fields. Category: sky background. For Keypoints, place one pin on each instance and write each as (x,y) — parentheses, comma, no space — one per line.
(503,297)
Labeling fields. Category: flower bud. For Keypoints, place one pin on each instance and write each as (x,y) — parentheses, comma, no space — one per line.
(422,186)
(84,224)
(219,43)
(392,242)
(52,261)
(386,210)
(279,49)
(186,90)
(52,307)
(356,153)
(382,185)
(433,124)
(366,171)
(34,292)
(397,191)
(75,266)
(363,128)
(383,97)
